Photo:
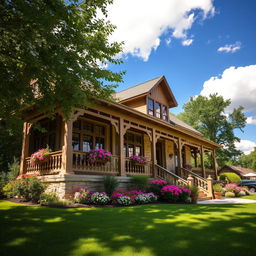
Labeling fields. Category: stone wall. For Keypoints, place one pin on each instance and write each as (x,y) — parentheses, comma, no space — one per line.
(66,185)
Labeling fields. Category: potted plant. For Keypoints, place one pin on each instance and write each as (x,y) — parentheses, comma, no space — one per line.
(101,156)
(217,188)
(40,156)
(194,194)
(138,160)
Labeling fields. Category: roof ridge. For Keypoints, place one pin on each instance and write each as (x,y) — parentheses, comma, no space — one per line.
(140,84)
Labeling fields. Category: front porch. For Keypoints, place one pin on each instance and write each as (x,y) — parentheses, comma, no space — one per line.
(170,153)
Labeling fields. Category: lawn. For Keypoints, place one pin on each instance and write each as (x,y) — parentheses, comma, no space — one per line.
(252,196)
(140,230)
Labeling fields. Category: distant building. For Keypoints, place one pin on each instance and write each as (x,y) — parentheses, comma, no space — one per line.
(244,173)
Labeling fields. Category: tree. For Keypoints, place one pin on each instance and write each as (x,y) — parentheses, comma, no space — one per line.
(247,161)
(52,54)
(56,50)
(207,115)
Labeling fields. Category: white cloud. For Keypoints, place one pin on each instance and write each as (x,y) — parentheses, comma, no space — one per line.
(187,42)
(251,120)
(140,24)
(230,47)
(237,84)
(246,146)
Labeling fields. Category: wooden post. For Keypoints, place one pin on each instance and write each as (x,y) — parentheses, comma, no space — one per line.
(121,147)
(202,161)
(209,185)
(215,167)
(179,156)
(153,152)
(25,147)
(190,180)
(67,150)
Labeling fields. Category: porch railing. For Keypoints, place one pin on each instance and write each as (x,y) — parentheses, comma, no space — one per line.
(81,165)
(51,166)
(163,173)
(138,169)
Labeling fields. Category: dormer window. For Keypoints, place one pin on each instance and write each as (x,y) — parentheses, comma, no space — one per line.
(165,113)
(150,107)
(158,110)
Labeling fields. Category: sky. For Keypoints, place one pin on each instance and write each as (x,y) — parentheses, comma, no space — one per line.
(200,46)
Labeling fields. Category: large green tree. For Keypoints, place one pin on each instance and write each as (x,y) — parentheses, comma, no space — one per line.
(247,161)
(56,50)
(207,115)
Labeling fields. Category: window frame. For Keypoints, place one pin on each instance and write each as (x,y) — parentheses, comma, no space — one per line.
(153,110)
(133,143)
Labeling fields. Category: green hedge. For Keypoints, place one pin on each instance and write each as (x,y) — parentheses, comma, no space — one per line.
(232,177)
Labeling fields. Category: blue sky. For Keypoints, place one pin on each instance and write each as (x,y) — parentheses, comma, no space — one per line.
(193,43)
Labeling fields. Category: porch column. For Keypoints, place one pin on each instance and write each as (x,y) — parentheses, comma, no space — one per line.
(25,146)
(67,150)
(179,156)
(153,152)
(202,161)
(121,147)
(215,167)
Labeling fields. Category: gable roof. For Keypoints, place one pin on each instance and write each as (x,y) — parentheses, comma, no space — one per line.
(143,89)
(176,121)
(238,169)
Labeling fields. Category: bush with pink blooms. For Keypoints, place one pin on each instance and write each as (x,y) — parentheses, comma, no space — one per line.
(155,186)
(99,155)
(234,188)
(173,193)
(82,196)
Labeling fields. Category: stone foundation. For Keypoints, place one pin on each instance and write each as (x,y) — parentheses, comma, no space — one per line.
(66,185)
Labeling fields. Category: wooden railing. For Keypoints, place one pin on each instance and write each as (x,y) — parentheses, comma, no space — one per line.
(163,173)
(51,166)
(83,166)
(198,181)
(138,169)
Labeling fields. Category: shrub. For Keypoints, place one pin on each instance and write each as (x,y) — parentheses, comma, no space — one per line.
(172,193)
(241,193)
(29,188)
(233,188)
(110,184)
(48,198)
(140,182)
(8,189)
(155,186)
(229,194)
(231,177)
(124,200)
(217,188)
(82,196)
(100,198)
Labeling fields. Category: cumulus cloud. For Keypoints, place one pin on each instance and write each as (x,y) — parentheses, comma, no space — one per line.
(237,84)
(187,42)
(246,146)
(230,48)
(251,120)
(140,24)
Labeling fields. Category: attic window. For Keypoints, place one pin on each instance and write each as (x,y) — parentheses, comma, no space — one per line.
(158,110)
(150,107)
(165,113)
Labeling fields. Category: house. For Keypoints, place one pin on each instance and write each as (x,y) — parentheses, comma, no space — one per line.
(244,173)
(138,123)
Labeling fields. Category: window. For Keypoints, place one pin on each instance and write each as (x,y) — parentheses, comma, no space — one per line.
(165,113)
(133,144)
(88,136)
(45,137)
(158,110)
(150,107)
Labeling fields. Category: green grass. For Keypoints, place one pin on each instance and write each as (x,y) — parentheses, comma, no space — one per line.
(141,230)
(252,196)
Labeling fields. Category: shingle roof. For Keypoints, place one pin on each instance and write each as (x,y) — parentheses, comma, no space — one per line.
(177,121)
(240,169)
(137,89)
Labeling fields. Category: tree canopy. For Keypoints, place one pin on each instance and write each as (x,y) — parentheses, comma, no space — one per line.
(55,50)
(207,115)
(247,161)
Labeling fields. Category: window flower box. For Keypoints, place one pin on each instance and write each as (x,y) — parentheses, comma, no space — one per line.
(41,156)
(99,156)
(138,160)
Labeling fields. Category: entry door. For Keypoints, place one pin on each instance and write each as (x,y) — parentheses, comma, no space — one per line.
(160,153)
